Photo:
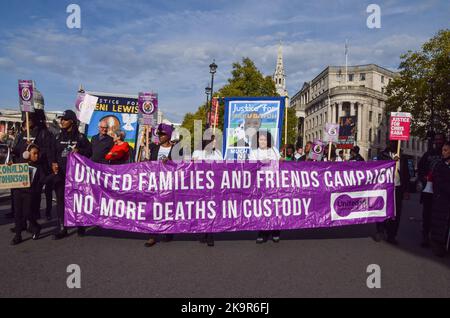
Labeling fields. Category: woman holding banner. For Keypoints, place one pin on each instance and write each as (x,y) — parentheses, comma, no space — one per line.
(161,152)
(264,152)
(208,153)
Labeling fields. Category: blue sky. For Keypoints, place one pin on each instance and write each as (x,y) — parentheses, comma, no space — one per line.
(127,46)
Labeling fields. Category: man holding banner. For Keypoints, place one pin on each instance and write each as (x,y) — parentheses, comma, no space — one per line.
(70,140)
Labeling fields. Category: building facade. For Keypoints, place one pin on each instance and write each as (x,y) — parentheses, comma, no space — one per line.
(353,91)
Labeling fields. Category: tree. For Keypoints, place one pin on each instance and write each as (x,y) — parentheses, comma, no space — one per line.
(423,86)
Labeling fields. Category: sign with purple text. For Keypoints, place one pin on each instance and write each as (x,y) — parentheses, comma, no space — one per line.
(148,104)
(331,133)
(26,96)
(317,149)
(201,197)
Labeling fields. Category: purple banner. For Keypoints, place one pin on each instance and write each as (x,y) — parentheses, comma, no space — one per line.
(208,197)
(26,96)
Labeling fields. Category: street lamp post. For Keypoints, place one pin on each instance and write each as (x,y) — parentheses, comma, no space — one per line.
(207,92)
(212,70)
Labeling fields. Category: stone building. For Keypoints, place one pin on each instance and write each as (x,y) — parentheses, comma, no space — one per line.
(358,91)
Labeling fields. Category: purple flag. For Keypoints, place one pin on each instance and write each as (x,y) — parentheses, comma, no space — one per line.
(26,96)
(207,197)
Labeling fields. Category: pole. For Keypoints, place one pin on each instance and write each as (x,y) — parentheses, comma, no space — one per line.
(147,142)
(329,151)
(28,126)
(207,103)
(285,126)
(215,117)
(212,96)
(346,62)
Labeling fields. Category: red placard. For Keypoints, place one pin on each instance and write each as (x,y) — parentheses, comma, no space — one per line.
(399,128)
(213,119)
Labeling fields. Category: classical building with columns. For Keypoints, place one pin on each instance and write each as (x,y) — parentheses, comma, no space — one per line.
(353,91)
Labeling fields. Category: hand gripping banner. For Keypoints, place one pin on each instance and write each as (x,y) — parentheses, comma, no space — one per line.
(207,197)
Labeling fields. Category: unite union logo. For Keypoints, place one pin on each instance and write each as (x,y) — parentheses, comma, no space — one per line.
(355,205)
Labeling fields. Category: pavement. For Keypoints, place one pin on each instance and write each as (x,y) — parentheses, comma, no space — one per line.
(306,263)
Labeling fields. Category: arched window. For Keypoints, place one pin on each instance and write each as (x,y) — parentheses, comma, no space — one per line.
(370,135)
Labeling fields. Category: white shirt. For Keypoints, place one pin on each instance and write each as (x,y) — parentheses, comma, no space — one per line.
(265,154)
(163,152)
(215,155)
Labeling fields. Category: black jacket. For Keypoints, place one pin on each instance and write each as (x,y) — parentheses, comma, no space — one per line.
(65,142)
(358,157)
(404,174)
(427,163)
(43,139)
(100,148)
(440,215)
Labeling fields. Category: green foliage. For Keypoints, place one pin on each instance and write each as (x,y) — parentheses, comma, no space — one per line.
(424,81)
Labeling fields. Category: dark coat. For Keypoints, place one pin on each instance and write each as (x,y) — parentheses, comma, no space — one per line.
(43,139)
(440,216)
(404,174)
(100,148)
(65,142)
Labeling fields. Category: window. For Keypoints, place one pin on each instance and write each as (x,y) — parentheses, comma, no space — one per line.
(379,118)
(370,116)
(370,135)
(350,77)
(382,79)
(379,136)
(362,76)
(382,90)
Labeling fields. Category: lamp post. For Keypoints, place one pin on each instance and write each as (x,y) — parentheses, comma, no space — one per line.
(207,92)
(212,70)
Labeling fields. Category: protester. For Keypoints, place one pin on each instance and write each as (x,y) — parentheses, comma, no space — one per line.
(288,152)
(440,216)
(390,227)
(298,153)
(264,147)
(4,149)
(354,154)
(208,153)
(41,137)
(101,143)
(340,158)
(332,154)
(307,149)
(26,198)
(161,152)
(120,152)
(265,151)
(69,140)
(425,167)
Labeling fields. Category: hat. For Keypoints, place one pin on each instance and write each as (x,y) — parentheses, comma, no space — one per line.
(165,129)
(69,115)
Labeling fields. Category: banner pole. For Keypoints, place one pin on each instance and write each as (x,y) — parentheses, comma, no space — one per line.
(329,151)
(215,117)
(285,126)
(28,126)
(147,149)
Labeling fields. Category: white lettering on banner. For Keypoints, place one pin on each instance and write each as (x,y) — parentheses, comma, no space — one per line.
(130,210)
(83,204)
(184,211)
(351,178)
(152,182)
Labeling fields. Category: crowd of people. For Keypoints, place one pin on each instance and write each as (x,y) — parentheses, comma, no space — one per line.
(47,153)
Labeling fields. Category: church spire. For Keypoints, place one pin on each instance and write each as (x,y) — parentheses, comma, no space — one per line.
(279,76)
